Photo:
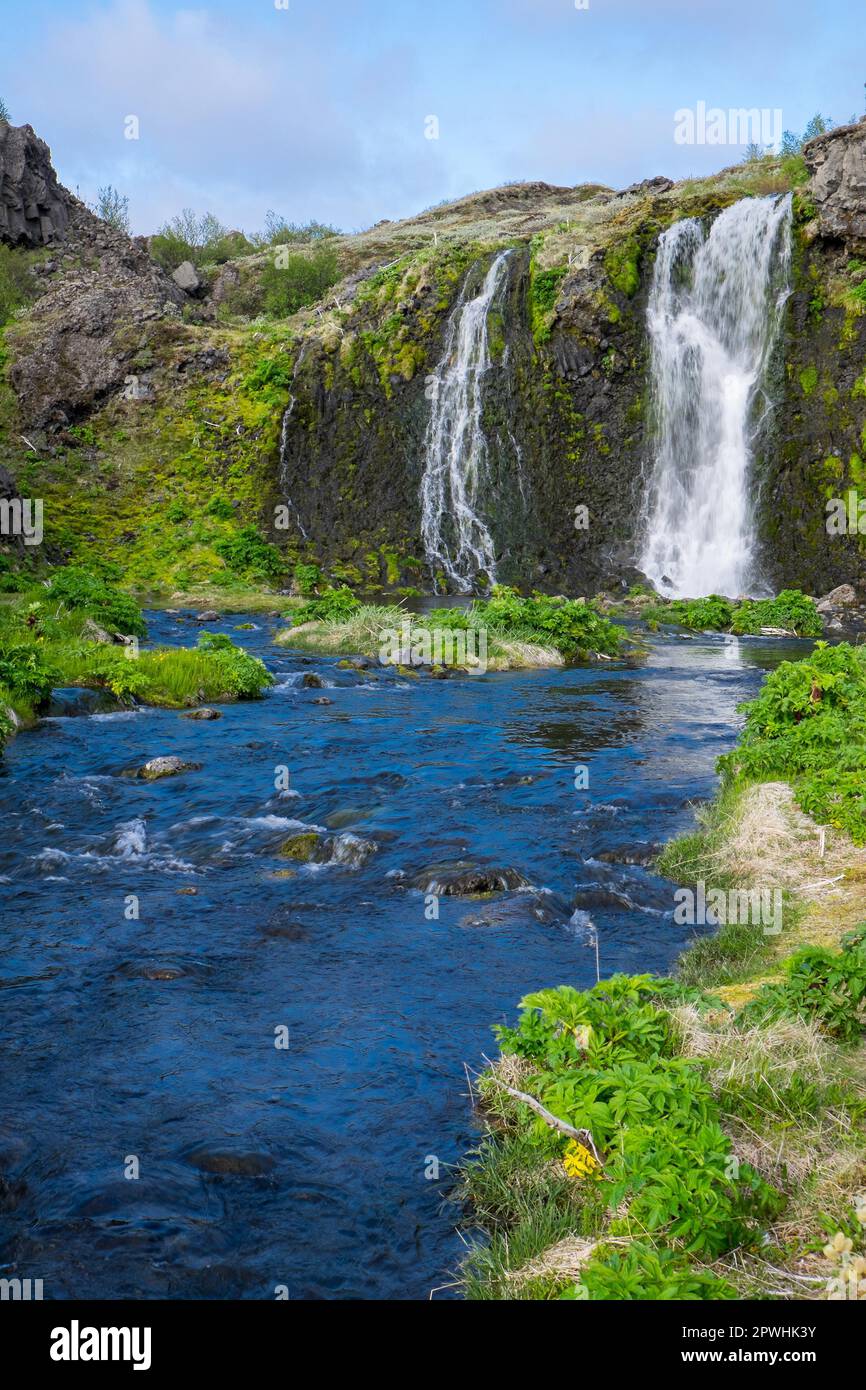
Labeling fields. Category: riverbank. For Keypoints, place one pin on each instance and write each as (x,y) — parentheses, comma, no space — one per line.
(721,1150)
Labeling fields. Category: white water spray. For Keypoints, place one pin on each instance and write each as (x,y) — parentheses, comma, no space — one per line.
(713,317)
(456,537)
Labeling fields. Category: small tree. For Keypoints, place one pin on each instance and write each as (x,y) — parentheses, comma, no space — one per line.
(113,208)
(5,117)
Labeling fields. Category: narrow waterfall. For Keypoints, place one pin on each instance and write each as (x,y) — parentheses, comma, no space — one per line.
(714,313)
(456,537)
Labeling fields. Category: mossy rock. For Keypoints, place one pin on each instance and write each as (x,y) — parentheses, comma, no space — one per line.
(304,848)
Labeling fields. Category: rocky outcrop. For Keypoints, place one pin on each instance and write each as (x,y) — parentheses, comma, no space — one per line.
(96,317)
(34,208)
(837,164)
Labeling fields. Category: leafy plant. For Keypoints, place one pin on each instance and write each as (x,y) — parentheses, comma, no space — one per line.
(333,606)
(78,588)
(643,1272)
(248,553)
(297,280)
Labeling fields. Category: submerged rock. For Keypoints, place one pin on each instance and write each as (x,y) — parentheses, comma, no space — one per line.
(311,681)
(306,848)
(204,713)
(469,880)
(171,766)
(228,1160)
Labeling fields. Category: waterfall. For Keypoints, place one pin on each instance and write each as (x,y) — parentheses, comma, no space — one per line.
(714,313)
(456,537)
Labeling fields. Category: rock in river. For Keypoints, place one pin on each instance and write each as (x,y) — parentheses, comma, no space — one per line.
(158,768)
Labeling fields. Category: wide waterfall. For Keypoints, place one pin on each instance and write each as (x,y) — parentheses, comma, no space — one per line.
(714,313)
(456,537)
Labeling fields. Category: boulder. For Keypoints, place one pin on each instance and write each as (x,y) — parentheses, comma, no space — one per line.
(469,880)
(187,278)
(203,713)
(843,596)
(157,768)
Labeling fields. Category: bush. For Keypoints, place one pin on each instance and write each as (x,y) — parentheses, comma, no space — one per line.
(644,1273)
(573,628)
(791,610)
(23,672)
(823,986)
(333,606)
(80,589)
(249,554)
(299,280)
(16,283)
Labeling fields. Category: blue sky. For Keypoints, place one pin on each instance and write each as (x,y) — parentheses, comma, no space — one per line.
(319,109)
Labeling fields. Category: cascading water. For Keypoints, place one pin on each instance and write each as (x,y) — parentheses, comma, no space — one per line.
(713,317)
(456,537)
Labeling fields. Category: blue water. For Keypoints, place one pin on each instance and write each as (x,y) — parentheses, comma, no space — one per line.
(153,1039)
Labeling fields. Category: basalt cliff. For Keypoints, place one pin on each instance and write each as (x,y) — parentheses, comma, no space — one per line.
(160,422)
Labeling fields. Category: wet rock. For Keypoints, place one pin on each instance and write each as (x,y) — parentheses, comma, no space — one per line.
(521,910)
(311,681)
(306,848)
(322,700)
(355,664)
(229,1160)
(204,713)
(469,880)
(210,615)
(171,766)
(69,702)
(642,853)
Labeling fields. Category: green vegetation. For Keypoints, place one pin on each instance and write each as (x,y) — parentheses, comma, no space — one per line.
(715,1125)
(16,282)
(791,610)
(808,727)
(622,265)
(291,282)
(113,207)
(570,628)
(49,638)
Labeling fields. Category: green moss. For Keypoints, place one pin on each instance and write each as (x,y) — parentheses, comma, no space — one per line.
(808,380)
(622,263)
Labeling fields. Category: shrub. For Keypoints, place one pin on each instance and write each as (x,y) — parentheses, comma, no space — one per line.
(820,985)
(573,628)
(333,606)
(80,589)
(645,1273)
(248,553)
(23,671)
(791,610)
(16,283)
(299,280)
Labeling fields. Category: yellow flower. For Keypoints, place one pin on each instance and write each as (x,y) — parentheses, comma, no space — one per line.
(840,1245)
(578,1162)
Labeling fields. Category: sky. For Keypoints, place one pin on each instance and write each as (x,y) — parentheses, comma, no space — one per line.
(325,109)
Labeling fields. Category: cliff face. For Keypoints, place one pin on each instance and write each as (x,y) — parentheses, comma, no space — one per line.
(34,209)
(154,424)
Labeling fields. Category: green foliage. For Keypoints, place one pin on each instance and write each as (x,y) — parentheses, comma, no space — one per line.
(113,208)
(240,674)
(79,589)
(5,115)
(574,628)
(298,280)
(247,553)
(203,240)
(622,265)
(791,610)
(333,606)
(16,283)
(602,1060)
(644,1272)
(808,726)
(544,292)
(278,232)
(307,578)
(820,985)
(23,671)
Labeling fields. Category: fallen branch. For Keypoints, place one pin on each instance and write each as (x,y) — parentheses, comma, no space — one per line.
(29,445)
(583,1136)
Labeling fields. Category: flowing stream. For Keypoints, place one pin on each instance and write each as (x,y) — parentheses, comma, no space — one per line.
(323,1166)
(456,537)
(714,312)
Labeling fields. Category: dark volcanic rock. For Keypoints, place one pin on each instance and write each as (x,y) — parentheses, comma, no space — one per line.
(837,163)
(34,208)
(469,880)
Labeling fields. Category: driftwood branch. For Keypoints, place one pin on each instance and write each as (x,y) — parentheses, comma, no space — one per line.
(583,1136)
